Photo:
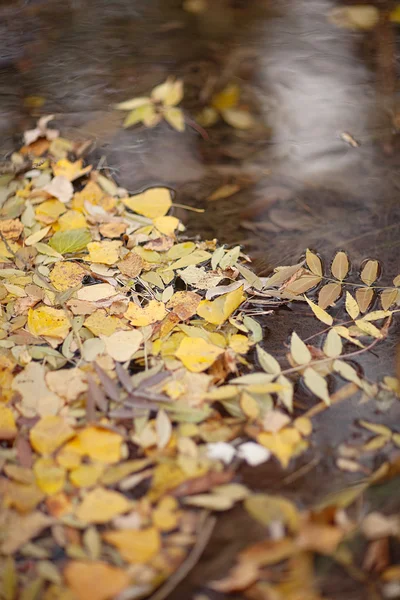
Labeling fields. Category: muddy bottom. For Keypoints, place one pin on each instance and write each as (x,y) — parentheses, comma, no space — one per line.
(319,170)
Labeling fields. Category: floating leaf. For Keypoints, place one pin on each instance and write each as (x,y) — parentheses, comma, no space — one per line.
(175,117)
(368,328)
(317,385)
(268,363)
(357,17)
(340,266)
(227,98)
(314,263)
(333,344)
(303,284)
(169,93)
(388,298)
(299,351)
(154,202)
(240,119)
(347,372)
(66,242)
(321,314)
(328,294)
(369,272)
(364,297)
(352,307)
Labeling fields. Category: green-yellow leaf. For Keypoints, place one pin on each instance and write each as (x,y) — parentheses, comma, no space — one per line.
(71,241)
(174,116)
(140,114)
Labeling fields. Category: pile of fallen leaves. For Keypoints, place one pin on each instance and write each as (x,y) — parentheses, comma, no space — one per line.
(128,398)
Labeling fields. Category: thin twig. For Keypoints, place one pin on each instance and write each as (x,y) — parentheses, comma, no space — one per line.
(206,527)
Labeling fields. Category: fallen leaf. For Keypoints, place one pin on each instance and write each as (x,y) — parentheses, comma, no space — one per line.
(100,506)
(196,354)
(95,580)
(154,202)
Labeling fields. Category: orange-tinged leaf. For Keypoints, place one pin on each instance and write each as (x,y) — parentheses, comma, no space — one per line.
(90,580)
(370,272)
(135,546)
(140,317)
(169,93)
(154,202)
(196,354)
(50,477)
(100,444)
(303,425)
(282,444)
(364,298)
(175,117)
(314,263)
(328,294)
(219,310)
(101,505)
(48,321)
(227,98)
(50,433)
(340,266)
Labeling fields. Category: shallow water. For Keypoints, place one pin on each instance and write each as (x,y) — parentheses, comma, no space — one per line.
(302,184)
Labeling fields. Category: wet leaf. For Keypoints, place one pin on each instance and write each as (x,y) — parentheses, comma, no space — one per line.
(299,351)
(268,362)
(368,328)
(364,297)
(314,263)
(369,272)
(317,385)
(340,266)
(388,298)
(333,344)
(154,202)
(328,295)
(352,307)
(319,312)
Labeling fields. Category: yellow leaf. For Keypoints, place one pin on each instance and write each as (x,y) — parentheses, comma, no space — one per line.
(370,272)
(100,444)
(140,317)
(48,321)
(239,343)
(328,294)
(376,428)
(86,475)
(145,113)
(269,509)
(49,211)
(166,225)
(105,252)
(66,275)
(368,328)
(219,310)
(364,298)
(72,219)
(50,477)
(319,312)
(31,240)
(352,307)
(100,506)
(355,17)
(50,433)
(388,297)
(303,425)
(138,546)
(122,345)
(154,202)
(91,580)
(340,266)
(194,258)
(249,406)
(299,351)
(196,354)
(239,119)
(70,170)
(282,444)
(165,516)
(8,428)
(375,443)
(314,263)
(169,93)
(333,344)
(317,384)
(227,98)
(100,322)
(174,116)
(225,191)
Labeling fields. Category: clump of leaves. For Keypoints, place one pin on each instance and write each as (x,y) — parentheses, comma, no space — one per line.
(161,104)
(226,105)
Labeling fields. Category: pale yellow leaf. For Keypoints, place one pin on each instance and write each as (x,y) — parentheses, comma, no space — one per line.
(299,351)
(370,272)
(163,429)
(154,202)
(368,328)
(352,307)
(268,363)
(364,298)
(219,310)
(347,372)
(196,354)
(333,344)
(175,117)
(319,312)
(317,385)
(122,345)
(340,266)
(388,297)
(314,263)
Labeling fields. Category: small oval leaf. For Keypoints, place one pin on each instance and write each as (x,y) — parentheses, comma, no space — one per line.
(370,272)
(299,351)
(340,266)
(329,294)
(317,385)
(352,308)
(314,263)
(364,298)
